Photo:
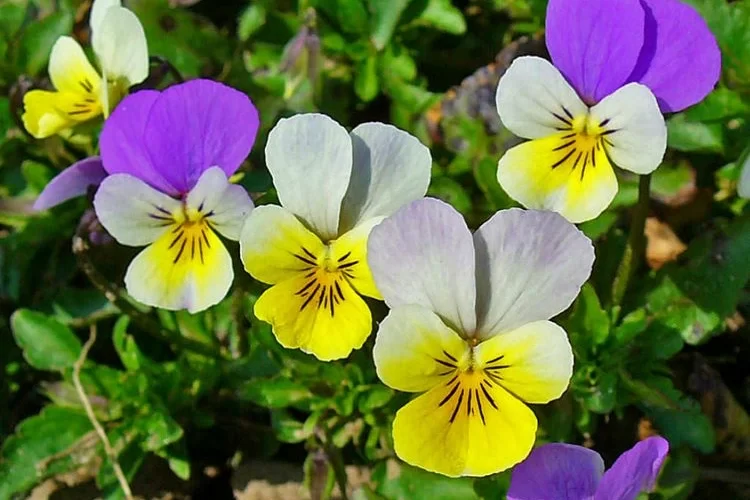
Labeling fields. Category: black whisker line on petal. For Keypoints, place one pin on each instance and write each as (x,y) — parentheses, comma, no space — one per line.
(447,355)
(468,404)
(564,159)
(445,363)
(175,240)
(349,264)
(309,253)
(309,298)
(449,396)
(458,406)
(489,398)
(495,359)
(479,405)
(344,257)
(567,113)
(179,254)
(578,158)
(562,119)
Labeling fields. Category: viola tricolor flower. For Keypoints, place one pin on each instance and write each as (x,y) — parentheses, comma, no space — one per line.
(617,65)
(469,327)
(169,156)
(333,187)
(80,93)
(569,472)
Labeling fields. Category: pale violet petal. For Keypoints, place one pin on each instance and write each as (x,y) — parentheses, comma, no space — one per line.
(391,168)
(743,187)
(423,255)
(635,471)
(225,205)
(637,138)
(72,182)
(133,212)
(534,100)
(530,266)
(120,45)
(309,157)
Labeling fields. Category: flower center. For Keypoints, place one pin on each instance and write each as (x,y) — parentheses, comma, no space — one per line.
(324,278)
(470,383)
(582,141)
(190,232)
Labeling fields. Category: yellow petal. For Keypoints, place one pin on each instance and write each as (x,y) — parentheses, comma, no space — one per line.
(467,426)
(41,116)
(318,312)
(350,250)
(188,267)
(70,69)
(414,350)
(568,173)
(275,246)
(534,362)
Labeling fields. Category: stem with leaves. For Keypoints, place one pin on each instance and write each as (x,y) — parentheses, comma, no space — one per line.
(636,242)
(111,453)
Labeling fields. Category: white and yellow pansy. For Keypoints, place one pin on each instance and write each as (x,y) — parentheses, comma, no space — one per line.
(333,187)
(81,93)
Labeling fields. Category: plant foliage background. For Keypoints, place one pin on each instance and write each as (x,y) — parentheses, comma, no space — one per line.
(178,393)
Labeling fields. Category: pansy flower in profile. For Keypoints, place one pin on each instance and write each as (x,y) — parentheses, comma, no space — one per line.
(616,66)
(80,92)
(469,329)
(334,186)
(570,472)
(169,156)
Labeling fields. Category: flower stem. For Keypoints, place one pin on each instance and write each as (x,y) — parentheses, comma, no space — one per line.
(111,453)
(115,294)
(636,242)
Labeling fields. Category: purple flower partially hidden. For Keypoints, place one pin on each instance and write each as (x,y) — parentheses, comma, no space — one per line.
(569,472)
(72,182)
(601,46)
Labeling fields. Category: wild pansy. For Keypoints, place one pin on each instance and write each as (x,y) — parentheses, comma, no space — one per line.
(333,186)
(565,471)
(169,156)
(469,327)
(80,93)
(617,65)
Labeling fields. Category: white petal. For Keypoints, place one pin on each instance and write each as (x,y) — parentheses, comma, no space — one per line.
(98,10)
(310,159)
(120,45)
(227,204)
(534,100)
(639,138)
(132,211)
(423,255)
(530,267)
(743,187)
(391,168)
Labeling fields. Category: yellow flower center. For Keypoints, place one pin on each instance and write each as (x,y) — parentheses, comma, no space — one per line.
(583,141)
(324,277)
(191,232)
(470,383)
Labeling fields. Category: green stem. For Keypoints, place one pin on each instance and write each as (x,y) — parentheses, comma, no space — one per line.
(339,470)
(140,317)
(636,243)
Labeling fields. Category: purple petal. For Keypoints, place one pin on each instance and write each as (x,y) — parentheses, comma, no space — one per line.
(122,141)
(559,471)
(595,43)
(72,182)
(197,125)
(635,471)
(680,61)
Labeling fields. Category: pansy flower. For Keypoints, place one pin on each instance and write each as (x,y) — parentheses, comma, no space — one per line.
(80,92)
(569,472)
(617,64)
(169,156)
(334,186)
(469,328)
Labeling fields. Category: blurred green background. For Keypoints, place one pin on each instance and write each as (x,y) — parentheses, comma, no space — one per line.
(200,404)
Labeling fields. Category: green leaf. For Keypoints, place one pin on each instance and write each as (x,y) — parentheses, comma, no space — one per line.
(351,15)
(374,397)
(274,393)
(159,428)
(589,323)
(176,456)
(251,20)
(690,136)
(596,387)
(485,175)
(451,192)
(721,104)
(39,37)
(385,17)
(630,327)
(320,477)
(442,15)
(287,429)
(43,445)
(46,344)
(366,84)
(403,482)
